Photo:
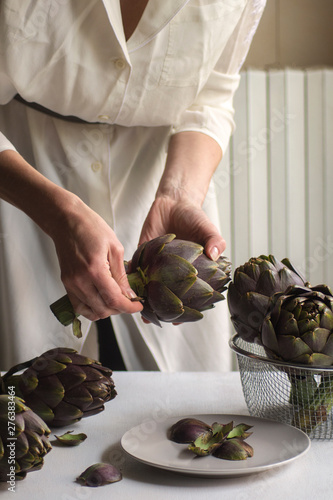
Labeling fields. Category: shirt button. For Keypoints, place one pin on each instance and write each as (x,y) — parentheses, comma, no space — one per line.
(96,166)
(120,63)
(103,117)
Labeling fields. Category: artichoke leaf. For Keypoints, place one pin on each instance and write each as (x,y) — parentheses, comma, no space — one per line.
(149,314)
(70,439)
(291,348)
(244,283)
(165,304)
(188,250)
(174,272)
(99,474)
(240,431)
(316,339)
(152,248)
(198,295)
(207,443)
(234,449)
(268,282)
(189,315)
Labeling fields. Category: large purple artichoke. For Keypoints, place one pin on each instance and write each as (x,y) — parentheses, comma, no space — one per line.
(250,291)
(176,280)
(62,386)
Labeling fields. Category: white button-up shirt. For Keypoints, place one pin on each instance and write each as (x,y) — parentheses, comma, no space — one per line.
(178,71)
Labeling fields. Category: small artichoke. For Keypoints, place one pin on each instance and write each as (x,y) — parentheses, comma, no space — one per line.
(62,386)
(23,439)
(173,278)
(250,291)
(299,326)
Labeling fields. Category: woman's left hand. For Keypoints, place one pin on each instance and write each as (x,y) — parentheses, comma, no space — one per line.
(186,220)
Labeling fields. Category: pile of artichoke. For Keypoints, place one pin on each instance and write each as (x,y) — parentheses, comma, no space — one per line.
(55,389)
(272,305)
(225,441)
(173,278)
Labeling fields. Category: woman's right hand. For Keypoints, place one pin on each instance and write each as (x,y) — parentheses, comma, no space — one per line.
(91,260)
(89,253)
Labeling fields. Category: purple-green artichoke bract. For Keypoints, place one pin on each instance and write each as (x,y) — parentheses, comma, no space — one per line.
(176,280)
(250,291)
(187,430)
(62,386)
(220,440)
(299,326)
(99,474)
(23,440)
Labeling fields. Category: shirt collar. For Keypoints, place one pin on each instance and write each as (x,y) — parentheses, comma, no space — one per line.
(155,17)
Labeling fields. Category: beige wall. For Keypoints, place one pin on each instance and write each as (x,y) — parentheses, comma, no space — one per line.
(294,33)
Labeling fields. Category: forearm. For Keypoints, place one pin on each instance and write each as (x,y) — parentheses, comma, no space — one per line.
(90,256)
(24,187)
(192,159)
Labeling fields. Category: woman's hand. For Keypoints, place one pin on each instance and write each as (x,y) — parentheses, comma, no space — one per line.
(89,253)
(186,220)
(191,162)
(92,265)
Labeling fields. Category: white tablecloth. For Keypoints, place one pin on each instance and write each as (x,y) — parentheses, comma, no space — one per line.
(146,395)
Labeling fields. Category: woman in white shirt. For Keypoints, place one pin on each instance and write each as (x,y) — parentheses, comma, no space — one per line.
(120,119)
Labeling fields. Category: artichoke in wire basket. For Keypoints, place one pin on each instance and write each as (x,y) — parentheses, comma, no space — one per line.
(298,329)
(23,439)
(250,291)
(173,278)
(62,386)
(299,326)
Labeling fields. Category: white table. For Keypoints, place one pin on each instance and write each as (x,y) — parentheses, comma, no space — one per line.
(151,395)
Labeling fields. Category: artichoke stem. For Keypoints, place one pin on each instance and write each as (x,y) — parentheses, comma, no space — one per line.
(317,410)
(16,368)
(63,310)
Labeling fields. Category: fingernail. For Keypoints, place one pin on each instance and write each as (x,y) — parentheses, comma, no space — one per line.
(131,294)
(214,253)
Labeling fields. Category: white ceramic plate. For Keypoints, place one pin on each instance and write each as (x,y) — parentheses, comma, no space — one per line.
(274,444)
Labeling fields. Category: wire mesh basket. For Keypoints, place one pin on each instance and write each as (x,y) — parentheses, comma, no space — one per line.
(292,394)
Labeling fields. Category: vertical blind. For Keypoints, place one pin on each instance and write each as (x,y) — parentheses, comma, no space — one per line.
(275,182)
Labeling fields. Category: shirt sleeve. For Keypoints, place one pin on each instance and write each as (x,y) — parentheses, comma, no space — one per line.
(5,143)
(212,112)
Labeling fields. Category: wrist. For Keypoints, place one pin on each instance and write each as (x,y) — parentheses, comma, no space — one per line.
(61,211)
(191,161)
(177,192)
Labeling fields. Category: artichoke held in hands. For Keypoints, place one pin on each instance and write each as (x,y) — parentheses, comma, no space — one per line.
(176,280)
(173,278)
